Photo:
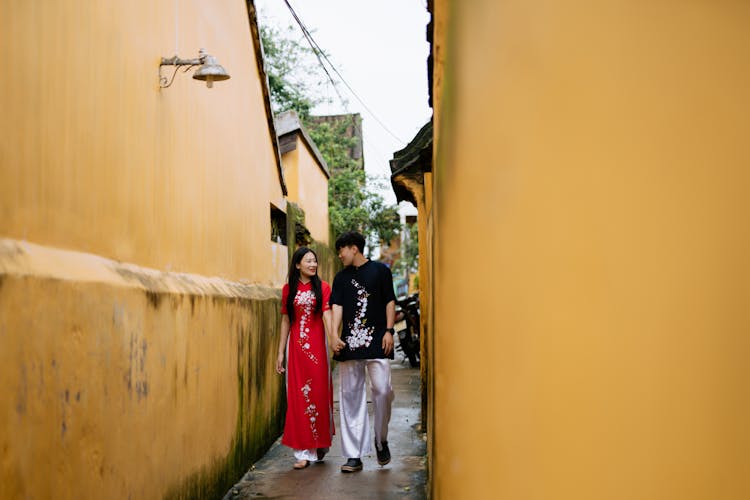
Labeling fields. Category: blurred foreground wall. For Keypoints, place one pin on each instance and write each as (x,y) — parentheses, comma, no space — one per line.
(591,242)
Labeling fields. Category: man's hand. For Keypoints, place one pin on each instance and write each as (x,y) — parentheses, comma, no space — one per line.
(337,344)
(388,343)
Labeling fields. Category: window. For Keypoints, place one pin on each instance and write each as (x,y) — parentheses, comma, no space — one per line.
(278,226)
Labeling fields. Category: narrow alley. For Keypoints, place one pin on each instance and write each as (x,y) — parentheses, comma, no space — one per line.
(273,477)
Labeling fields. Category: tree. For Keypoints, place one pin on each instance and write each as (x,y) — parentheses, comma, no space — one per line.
(287,63)
(409,261)
(353,203)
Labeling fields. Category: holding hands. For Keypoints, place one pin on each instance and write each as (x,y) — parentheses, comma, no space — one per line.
(337,344)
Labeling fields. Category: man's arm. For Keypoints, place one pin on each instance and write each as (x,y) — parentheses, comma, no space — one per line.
(390,320)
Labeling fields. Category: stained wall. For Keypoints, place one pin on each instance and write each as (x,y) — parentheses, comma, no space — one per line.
(139,287)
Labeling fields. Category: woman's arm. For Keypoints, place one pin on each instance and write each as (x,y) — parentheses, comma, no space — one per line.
(282,343)
(333,337)
(336,318)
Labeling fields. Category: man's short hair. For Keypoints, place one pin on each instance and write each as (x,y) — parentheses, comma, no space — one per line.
(349,239)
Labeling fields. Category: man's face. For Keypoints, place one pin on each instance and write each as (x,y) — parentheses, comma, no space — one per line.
(346,254)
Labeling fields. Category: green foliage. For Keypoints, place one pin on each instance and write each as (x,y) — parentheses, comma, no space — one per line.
(384,224)
(409,261)
(354,206)
(288,64)
(333,144)
(353,203)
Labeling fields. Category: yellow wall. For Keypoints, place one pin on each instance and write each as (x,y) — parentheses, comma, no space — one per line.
(308,187)
(97,158)
(591,251)
(129,381)
(139,361)
(290,163)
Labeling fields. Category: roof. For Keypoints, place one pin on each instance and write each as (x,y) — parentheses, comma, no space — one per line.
(287,124)
(412,161)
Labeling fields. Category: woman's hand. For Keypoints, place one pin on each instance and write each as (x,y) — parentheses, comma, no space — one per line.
(280,364)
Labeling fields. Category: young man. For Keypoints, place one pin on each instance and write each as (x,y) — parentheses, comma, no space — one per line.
(362,299)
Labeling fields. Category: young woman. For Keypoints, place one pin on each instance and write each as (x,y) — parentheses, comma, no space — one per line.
(305,321)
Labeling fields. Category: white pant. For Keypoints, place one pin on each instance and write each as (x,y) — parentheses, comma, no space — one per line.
(310,455)
(356,438)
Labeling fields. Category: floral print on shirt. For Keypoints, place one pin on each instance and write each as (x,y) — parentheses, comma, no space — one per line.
(360,333)
(305,300)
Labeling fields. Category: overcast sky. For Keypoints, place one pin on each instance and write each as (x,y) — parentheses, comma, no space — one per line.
(381,51)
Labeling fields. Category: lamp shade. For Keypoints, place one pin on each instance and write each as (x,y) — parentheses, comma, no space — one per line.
(210,71)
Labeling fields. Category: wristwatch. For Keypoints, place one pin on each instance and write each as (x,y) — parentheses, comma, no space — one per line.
(391,329)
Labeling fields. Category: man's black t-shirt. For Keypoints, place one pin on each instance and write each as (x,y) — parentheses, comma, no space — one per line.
(363,292)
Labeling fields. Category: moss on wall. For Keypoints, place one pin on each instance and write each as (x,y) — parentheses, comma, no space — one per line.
(254,432)
(328,262)
(132,381)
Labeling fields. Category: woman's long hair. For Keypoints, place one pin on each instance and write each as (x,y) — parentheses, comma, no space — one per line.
(299,254)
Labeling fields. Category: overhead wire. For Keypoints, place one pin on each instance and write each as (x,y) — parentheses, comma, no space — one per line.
(321,55)
(318,50)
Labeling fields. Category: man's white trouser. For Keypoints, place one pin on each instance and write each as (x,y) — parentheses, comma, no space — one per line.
(356,439)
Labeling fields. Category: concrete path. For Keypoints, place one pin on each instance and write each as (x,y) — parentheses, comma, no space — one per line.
(273,477)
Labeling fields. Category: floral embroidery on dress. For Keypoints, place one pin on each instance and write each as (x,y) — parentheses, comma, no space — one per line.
(360,333)
(311,411)
(306,300)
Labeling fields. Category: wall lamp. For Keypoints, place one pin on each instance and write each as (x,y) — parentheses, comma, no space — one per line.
(210,70)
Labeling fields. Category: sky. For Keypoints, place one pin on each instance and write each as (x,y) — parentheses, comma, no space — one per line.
(380,49)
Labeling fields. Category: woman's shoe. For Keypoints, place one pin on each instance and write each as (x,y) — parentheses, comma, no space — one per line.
(301,464)
(322,453)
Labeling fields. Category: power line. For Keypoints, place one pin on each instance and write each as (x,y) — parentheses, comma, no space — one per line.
(318,53)
(383,164)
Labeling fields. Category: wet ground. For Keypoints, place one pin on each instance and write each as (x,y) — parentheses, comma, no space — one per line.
(273,477)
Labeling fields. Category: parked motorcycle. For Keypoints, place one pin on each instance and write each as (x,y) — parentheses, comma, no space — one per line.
(407,309)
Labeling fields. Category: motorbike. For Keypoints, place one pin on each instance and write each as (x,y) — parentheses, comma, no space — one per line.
(407,310)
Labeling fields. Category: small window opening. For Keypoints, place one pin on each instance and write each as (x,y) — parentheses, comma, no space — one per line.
(278,226)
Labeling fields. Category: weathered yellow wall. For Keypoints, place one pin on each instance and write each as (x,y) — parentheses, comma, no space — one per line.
(139,362)
(591,251)
(128,381)
(95,157)
(290,162)
(328,261)
(308,187)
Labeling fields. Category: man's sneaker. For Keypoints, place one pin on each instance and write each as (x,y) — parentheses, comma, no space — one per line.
(384,454)
(352,465)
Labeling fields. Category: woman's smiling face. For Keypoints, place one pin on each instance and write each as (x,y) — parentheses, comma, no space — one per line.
(308,266)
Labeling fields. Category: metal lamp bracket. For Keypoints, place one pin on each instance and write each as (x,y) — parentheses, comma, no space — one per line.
(175,61)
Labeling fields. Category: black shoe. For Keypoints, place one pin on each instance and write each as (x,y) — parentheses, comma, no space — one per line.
(352,465)
(321,452)
(384,454)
